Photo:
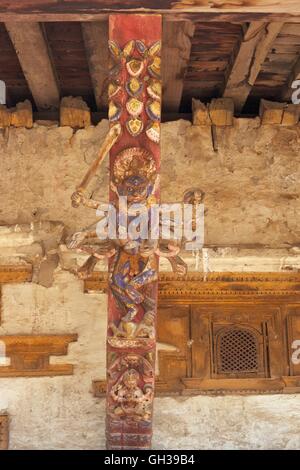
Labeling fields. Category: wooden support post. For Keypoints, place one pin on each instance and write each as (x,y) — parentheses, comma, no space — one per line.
(135,103)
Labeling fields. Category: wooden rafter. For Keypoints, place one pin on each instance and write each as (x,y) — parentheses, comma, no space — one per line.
(95,35)
(253,51)
(218,10)
(31,48)
(176,54)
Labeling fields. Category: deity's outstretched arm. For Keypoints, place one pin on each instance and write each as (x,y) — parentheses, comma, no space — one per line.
(80,240)
(78,198)
(170,250)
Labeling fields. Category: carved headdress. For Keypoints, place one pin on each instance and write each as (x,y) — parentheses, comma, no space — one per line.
(134,161)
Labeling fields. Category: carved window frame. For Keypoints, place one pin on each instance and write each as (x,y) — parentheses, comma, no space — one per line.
(281,290)
(219,332)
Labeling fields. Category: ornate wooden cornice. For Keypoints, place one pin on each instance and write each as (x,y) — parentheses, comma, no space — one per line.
(222,286)
(11,274)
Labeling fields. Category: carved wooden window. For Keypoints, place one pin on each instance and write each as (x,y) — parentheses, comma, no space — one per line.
(235,332)
(237,352)
(219,347)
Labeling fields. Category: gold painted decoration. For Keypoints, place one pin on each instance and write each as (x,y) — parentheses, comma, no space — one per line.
(155,48)
(154,89)
(115,49)
(132,161)
(153,131)
(113,89)
(154,67)
(134,107)
(129,48)
(134,126)
(114,111)
(152,51)
(134,87)
(135,67)
(153,110)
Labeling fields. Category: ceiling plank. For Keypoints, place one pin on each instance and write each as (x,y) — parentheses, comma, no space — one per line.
(95,35)
(223,10)
(175,58)
(31,48)
(295,75)
(252,53)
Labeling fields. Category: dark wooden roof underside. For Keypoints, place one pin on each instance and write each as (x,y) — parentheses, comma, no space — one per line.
(213,50)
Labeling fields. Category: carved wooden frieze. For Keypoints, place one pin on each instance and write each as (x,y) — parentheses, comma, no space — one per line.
(213,347)
(4,431)
(194,287)
(12,274)
(30,355)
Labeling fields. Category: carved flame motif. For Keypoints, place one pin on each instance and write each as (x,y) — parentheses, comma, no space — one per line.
(134,87)
(153,131)
(134,126)
(134,107)
(135,67)
(114,111)
(154,89)
(153,110)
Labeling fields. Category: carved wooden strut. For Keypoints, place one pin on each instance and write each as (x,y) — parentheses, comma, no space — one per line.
(133,140)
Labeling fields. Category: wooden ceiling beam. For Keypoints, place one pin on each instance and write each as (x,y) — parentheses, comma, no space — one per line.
(176,52)
(32,50)
(222,10)
(95,35)
(254,48)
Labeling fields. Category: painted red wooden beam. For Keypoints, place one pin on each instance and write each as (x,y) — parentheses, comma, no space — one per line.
(135,104)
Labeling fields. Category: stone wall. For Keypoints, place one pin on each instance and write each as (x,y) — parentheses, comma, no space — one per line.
(251,183)
(251,223)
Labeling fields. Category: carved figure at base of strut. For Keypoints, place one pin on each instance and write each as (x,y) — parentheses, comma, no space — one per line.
(132,401)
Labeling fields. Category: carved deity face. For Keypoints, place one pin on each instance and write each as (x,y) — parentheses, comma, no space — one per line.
(135,188)
(131,379)
(133,360)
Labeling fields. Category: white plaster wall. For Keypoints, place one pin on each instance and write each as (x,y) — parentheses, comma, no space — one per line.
(61,412)
(230,422)
(57,412)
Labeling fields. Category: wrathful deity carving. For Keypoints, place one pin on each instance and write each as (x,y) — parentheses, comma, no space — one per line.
(134,262)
